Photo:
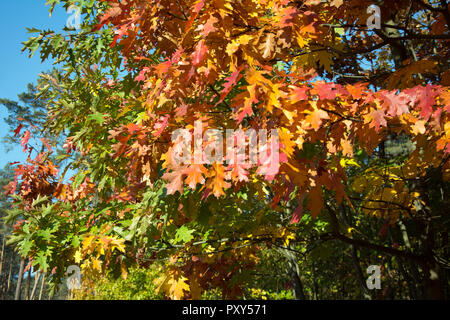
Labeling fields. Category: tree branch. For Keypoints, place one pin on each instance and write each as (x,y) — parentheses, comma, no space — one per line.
(373,246)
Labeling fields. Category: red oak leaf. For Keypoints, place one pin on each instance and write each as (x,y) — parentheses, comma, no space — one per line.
(298,93)
(17,131)
(288,17)
(199,53)
(195,174)
(24,141)
(175,179)
(208,27)
(379,120)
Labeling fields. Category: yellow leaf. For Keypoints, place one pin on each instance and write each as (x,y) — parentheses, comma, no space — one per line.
(97,264)
(232,47)
(173,284)
(78,256)
(302,42)
(119,245)
(419,127)
(285,139)
(315,117)
(87,241)
(348,162)
(290,115)
(245,39)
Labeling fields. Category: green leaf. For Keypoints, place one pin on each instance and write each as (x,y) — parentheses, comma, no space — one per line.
(41,260)
(339,31)
(47,210)
(45,234)
(39,200)
(26,247)
(78,179)
(76,241)
(97,117)
(33,30)
(101,185)
(184,235)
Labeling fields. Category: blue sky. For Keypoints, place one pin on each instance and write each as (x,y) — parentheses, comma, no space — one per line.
(16,69)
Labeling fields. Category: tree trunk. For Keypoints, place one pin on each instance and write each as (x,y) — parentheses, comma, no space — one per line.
(36,280)
(27,287)
(359,273)
(8,284)
(2,275)
(3,267)
(19,280)
(42,285)
(295,274)
(2,257)
(298,286)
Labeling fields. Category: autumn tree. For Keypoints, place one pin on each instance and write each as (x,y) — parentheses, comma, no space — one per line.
(358,114)
(27,114)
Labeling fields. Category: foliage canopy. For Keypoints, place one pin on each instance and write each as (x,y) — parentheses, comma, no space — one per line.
(364,139)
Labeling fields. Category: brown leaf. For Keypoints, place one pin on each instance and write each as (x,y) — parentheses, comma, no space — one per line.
(268,46)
